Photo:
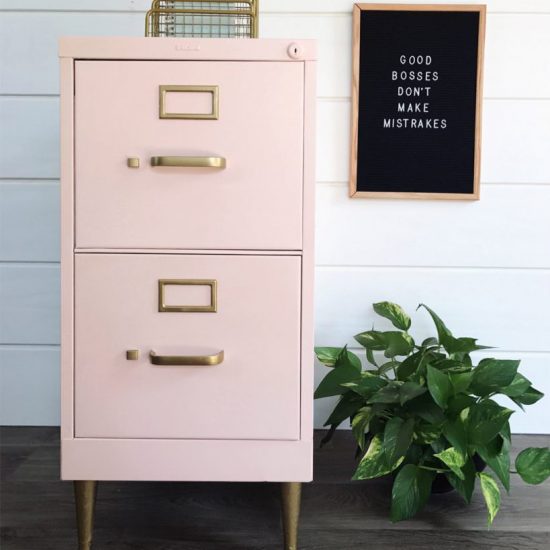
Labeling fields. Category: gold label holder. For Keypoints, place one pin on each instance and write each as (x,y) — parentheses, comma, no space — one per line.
(211,308)
(164,89)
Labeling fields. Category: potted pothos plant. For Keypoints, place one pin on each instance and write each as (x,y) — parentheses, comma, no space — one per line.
(426,414)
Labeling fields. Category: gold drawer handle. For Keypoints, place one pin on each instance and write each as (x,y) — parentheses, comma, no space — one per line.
(199,360)
(189,162)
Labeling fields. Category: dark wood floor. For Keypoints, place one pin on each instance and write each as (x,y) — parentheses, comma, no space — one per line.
(37,509)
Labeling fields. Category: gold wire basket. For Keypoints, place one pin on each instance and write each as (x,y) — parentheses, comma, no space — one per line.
(203,18)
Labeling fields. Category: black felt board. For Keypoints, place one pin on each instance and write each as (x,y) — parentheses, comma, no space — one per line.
(417,159)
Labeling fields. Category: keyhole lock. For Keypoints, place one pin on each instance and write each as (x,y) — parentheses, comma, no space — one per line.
(294,50)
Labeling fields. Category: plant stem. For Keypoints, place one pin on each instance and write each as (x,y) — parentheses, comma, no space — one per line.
(438,470)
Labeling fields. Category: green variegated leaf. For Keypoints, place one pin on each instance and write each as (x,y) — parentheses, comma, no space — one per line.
(387,394)
(370,357)
(437,446)
(394,313)
(493,375)
(518,387)
(454,459)
(332,383)
(499,462)
(360,425)
(460,381)
(373,464)
(348,359)
(439,386)
(485,421)
(367,385)
(456,433)
(414,454)
(386,367)
(425,408)
(372,339)
(425,434)
(458,403)
(392,343)
(505,432)
(409,366)
(529,397)
(429,356)
(533,464)
(329,355)
(348,404)
(463,345)
(465,486)
(491,494)
(446,364)
(429,342)
(495,445)
(397,438)
(448,341)
(410,390)
(443,333)
(397,343)
(411,489)
(345,370)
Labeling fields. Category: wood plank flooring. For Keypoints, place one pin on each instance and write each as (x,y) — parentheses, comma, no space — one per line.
(37,510)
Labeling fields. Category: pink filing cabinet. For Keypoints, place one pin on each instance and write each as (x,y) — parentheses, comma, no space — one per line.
(187,177)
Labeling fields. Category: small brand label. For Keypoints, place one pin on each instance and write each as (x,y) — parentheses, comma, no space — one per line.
(187,47)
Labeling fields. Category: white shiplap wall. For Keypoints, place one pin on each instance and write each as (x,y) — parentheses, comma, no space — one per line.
(484,266)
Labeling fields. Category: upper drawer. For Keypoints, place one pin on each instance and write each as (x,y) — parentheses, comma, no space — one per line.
(254,202)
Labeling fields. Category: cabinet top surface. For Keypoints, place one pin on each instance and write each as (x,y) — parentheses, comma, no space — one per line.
(248,49)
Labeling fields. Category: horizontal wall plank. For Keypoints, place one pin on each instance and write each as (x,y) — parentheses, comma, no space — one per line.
(513,68)
(505,308)
(32,66)
(29,386)
(508,227)
(533,421)
(517,67)
(29,140)
(333,140)
(515,141)
(333,35)
(29,221)
(80,6)
(312,6)
(500,225)
(29,301)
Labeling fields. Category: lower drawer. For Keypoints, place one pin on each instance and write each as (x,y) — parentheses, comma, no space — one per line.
(176,314)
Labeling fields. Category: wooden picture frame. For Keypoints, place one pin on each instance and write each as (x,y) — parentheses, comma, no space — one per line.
(357,189)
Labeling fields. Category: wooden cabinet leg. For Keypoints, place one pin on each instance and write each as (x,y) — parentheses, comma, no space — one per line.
(85,493)
(291,494)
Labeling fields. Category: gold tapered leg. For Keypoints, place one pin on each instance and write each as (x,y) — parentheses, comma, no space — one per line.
(291,494)
(85,493)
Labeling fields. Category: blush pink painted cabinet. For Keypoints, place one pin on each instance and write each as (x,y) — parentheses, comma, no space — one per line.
(187,263)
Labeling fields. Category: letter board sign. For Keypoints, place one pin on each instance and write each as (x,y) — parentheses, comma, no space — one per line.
(416,101)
